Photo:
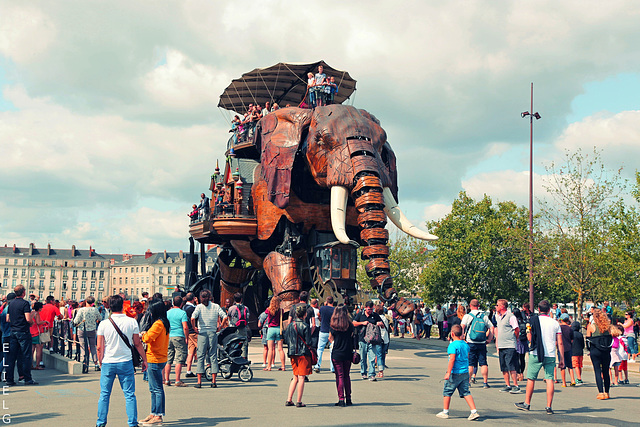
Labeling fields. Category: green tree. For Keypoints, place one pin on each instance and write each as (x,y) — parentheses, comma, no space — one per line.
(575,221)
(481,253)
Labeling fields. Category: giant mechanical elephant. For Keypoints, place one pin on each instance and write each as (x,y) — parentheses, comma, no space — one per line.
(331,171)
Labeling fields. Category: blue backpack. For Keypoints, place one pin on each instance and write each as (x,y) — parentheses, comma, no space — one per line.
(478,328)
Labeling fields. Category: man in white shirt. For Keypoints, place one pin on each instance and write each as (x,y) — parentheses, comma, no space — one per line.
(115,358)
(206,315)
(544,334)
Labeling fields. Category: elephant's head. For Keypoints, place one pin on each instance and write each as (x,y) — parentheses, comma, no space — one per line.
(347,153)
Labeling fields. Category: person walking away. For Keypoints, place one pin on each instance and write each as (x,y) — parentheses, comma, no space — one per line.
(326,311)
(192,337)
(178,348)
(238,317)
(20,320)
(341,336)
(522,345)
(274,336)
(457,375)
(418,319)
(157,340)
(428,323)
(298,335)
(49,314)
(384,332)
(478,333)
(506,332)
(115,359)
(368,350)
(37,327)
(617,354)
(544,334)
(577,352)
(6,335)
(206,315)
(600,341)
(567,341)
(440,321)
(629,335)
(86,320)
(264,328)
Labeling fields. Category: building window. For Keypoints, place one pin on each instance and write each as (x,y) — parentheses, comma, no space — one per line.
(120,270)
(178,269)
(64,284)
(101,274)
(177,280)
(93,285)
(53,273)
(99,296)
(169,270)
(53,263)
(137,269)
(94,264)
(84,263)
(93,274)
(84,286)
(42,272)
(13,283)
(63,295)
(147,279)
(100,286)
(74,285)
(120,281)
(73,295)
(147,270)
(41,284)
(160,280)
(159,270)
(125,269)
(75,274)
(31,283)
(15,261)
(24,272)
(32,273)
(126,280)
(84,274)
(81,295)
(5,283)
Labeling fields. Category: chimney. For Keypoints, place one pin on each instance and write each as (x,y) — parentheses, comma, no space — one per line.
(90,251)
(180,254)
(73,250)
(14,249)
(165,255)
(31,248)
(48,249)
(148,254)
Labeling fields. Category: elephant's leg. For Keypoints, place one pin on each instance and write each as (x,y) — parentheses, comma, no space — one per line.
(284,273)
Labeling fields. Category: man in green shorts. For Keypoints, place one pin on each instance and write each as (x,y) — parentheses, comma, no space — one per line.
(544,334)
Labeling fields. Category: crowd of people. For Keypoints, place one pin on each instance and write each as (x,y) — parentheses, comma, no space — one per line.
(184,330)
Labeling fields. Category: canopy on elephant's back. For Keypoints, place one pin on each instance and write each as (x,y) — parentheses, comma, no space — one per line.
(283,83)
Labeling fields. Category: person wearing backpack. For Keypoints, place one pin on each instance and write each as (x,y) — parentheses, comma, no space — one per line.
(478,331)
(369,343)
(238,317)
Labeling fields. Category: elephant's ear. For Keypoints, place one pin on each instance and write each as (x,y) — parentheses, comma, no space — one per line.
(281,134)
(389,160)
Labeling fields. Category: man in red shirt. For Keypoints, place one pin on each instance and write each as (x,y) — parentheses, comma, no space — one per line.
(48,313)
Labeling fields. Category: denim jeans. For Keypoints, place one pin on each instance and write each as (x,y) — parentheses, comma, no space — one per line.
(323,340)
(632,343)
(384,348)
(155,387)
(20,354)
(368,352)
(124,371)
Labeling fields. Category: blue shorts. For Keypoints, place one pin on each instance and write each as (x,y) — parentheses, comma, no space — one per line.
(477,354)
(273,334)
(457,381)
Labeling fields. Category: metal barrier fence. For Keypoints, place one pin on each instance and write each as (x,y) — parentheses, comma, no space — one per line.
(62,343)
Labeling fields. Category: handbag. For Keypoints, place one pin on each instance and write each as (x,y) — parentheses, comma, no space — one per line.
(355,358)
(44,337)
(135,356)
(314,355)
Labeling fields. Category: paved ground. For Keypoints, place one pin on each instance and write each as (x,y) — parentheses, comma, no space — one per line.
(410,395)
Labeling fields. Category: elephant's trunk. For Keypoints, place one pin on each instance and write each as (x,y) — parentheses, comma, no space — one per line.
(369,200)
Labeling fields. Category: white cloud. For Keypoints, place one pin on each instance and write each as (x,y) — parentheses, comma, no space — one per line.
(504,186)
(25,32)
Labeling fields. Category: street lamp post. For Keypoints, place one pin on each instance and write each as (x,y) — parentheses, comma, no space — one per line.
(531,116)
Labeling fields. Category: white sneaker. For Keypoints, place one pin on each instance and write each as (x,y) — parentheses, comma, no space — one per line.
(264,365)
(442,415)
(473,416)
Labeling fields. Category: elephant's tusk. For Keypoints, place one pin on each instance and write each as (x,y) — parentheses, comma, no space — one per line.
(400,220)
(339,213)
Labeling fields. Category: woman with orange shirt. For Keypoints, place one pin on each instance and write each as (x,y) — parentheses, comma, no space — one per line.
(157,339)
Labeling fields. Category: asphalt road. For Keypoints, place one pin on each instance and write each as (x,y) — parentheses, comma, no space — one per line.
(409,395)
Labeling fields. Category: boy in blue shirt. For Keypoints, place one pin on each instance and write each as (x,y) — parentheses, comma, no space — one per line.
(457,376)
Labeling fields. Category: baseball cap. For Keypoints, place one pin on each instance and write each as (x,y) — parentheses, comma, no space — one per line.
(565,316)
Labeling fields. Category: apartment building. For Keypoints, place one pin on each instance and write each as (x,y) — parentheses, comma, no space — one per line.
(64,273)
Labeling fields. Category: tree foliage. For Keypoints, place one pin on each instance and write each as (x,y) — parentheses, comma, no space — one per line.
(481,253)
(575,222)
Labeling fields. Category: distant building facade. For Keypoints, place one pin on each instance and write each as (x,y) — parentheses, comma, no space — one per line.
(64,273)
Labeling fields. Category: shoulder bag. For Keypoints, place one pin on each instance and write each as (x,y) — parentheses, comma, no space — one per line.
(314,355)
(135,356)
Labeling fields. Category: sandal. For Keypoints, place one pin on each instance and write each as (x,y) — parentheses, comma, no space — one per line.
(179,384)
(300,405)
(289,403)
(198,385)
(380,374)
(281,369)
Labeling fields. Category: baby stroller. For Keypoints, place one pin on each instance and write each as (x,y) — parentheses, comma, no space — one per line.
(230,360)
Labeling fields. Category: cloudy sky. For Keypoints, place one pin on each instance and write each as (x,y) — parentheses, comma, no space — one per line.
(109,128)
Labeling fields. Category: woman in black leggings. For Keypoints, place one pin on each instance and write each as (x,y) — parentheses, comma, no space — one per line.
(600,351)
